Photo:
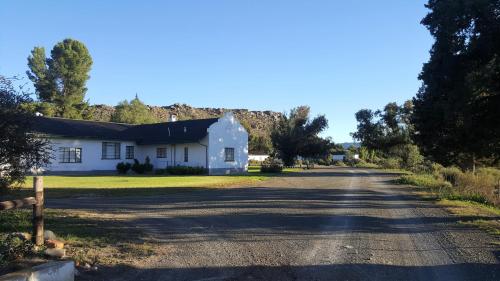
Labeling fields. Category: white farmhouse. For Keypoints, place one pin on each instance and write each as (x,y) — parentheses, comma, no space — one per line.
(219,144)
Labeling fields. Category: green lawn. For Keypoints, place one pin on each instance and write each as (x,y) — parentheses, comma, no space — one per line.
(128,181)
(123,185)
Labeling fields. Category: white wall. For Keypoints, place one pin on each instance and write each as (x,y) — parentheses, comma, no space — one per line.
(175,155)
(258,157)
(227,132)
(91,155)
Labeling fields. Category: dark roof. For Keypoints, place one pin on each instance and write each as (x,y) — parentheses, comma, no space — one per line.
(159,133)
(171,132)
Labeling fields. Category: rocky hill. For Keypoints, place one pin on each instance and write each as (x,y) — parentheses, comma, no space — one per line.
(259,122)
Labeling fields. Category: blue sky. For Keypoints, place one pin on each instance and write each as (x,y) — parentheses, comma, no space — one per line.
(335,56)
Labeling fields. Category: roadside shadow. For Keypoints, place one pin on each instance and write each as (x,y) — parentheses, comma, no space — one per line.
(356,271)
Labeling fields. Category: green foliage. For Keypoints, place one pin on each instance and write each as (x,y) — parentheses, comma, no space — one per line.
(123,167)
(385,137)
(423,180)
(139,168)
(383,130)
(452,183)
(182,170)
(391,163)
(12,247)
(450,174)
(411,159)
(295,134)
(363,164)
(259,144)
(133,112)
(271,165)
(60,80)
(456,109)
(20,150)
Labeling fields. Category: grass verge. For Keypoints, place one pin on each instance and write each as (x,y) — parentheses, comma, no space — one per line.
(488,217)
(484,216)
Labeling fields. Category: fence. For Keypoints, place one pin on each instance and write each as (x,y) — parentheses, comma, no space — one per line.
(37,203)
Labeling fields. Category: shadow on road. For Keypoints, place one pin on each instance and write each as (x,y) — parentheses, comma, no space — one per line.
(308,272)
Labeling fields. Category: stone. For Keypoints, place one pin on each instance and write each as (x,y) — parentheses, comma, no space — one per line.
(55,253)
(23,235)
(54,244)
(51,271)
(47,234)
(60,271)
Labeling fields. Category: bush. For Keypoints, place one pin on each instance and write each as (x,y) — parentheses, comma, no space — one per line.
(364,164)
(339,163)
(185,170)
(450,174)
(452,183)
(424,180)
(479,187)
(411,159)
(12,247)
(148,167)
(391,163)
(139,168)
(123,167)
(271,165)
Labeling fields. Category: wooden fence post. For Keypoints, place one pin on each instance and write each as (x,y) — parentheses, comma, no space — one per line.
(38,211)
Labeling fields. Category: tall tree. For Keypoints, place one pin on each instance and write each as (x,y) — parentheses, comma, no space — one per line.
(133,112)
(296,135)
(60,80)
(20,149)
(456,109)
(369,131)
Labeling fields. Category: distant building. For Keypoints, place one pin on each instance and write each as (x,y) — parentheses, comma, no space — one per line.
(342,157)
(338,157)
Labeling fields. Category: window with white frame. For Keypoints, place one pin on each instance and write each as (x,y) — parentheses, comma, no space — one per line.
(129,152)
(229,154)
(110,150)
(70,155)
(161,152)
(186,154)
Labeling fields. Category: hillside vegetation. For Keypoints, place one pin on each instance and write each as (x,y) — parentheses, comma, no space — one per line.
(260,123)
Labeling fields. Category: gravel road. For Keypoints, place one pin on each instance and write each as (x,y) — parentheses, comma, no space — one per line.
(324,224)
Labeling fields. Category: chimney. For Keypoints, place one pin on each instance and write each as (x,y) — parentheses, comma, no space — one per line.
(172,118)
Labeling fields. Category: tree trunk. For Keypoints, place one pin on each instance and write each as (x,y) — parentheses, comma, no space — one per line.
(474,163)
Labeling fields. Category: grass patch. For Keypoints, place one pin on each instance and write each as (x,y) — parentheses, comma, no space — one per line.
(125,185)
(488,217)
(423,180)
(481,213)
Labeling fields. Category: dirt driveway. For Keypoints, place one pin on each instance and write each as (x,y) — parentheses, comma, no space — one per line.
(326,224)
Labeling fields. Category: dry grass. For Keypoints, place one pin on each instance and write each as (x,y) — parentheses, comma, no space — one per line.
(488,217)
(451,183)
(90,237)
